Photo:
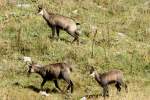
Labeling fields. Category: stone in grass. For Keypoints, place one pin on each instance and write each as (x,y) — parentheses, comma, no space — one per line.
(25,59)
(83,98)
(23,5)
(44,93)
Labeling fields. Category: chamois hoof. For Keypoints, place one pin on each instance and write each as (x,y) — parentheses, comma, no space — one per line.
(107,95)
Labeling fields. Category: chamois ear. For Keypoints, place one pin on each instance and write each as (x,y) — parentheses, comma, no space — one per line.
(91,67)
(40,7)
(32,62)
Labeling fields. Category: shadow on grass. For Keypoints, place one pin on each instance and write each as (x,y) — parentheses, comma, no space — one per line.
(35,89)
(65,40)
(62,39)
(93,96)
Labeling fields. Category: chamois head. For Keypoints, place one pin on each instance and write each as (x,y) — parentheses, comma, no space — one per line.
(92,71)
(40,10)
(33,68)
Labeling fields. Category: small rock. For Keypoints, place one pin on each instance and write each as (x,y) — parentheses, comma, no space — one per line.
(75,11)
(121,34)
(26,59)
(23,5)
(83,98)
(44,93)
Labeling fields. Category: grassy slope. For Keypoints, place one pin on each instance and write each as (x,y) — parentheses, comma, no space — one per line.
(22,32)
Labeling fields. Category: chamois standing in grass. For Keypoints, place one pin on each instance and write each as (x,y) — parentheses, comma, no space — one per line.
(114,76)
(53,72)
(57,22)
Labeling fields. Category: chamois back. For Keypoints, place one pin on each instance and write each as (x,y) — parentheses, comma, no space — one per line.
(112,75)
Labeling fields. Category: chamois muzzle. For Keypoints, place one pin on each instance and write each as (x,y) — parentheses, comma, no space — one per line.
(41,13)
(92,74)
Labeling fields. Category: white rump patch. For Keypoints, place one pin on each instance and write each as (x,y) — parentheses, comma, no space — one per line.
(44,93)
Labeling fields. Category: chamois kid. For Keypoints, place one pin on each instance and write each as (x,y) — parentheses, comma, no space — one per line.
(53,72)
(114,76)
(57,22)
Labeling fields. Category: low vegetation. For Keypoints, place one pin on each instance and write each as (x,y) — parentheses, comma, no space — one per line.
(114,35)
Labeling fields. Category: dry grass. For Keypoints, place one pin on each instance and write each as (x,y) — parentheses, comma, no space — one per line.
(122,42)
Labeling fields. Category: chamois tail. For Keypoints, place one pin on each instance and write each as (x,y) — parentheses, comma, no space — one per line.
(126,87)
(78,24)
(71,69)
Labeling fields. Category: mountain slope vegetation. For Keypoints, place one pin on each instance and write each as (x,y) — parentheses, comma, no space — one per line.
(120,30)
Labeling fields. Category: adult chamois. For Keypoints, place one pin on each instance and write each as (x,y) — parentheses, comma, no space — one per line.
(113,76)
(57,22)
(53,72)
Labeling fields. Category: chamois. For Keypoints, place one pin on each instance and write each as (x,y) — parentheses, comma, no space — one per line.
(114,76)
(57,22)
(53,72)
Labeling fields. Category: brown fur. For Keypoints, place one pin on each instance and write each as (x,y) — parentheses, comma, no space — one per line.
(114,76)
(57,22)
(53,72)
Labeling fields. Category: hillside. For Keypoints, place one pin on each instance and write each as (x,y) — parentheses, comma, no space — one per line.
(122,42)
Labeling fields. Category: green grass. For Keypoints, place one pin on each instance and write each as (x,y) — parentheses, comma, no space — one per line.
(24,33)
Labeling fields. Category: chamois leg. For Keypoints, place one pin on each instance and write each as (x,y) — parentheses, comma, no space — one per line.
(118,87)
(67,79)
(57,86)
(71,85)
(124,85)
(57,30)
(73,34)
(53,32)
(105,91)
(76,38)
(42,84)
